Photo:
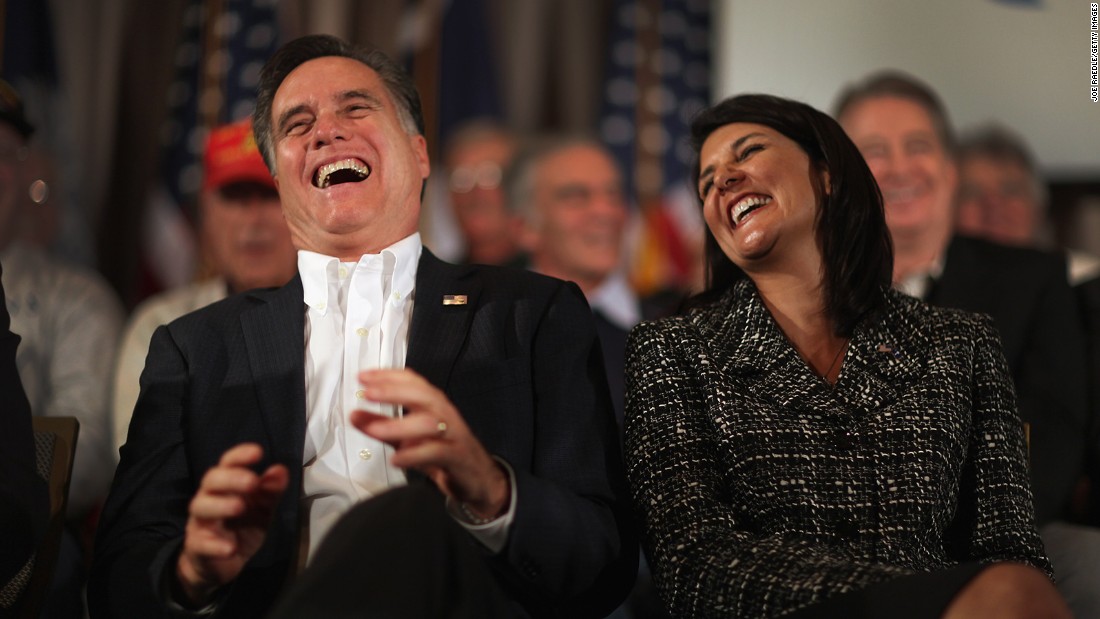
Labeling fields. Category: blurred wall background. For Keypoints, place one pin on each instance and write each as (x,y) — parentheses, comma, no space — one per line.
(1022,63)
(107,83)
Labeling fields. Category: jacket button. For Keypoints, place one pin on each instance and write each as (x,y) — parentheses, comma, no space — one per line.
(845,440)
(847,530)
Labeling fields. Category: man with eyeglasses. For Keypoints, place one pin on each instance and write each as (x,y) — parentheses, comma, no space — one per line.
(475,157)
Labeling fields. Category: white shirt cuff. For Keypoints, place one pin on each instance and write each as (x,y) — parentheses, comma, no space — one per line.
(494,534)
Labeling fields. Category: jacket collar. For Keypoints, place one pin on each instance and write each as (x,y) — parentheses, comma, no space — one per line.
(884,356)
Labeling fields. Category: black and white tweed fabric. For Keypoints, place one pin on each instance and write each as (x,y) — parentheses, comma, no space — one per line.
(763,489)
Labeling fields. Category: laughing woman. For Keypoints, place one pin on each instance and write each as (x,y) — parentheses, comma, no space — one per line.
(804,439)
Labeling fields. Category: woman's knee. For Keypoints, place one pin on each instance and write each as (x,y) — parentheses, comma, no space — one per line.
(1011,591)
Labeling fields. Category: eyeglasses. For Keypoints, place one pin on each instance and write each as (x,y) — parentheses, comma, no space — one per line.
(485,175)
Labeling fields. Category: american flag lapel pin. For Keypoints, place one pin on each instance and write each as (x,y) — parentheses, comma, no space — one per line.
(454,299)
(889,350)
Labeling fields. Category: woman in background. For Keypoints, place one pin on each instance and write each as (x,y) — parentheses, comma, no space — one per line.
(806,439)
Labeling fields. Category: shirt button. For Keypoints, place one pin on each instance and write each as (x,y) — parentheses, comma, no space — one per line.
(361,394)
(320,306)
(365,454)
(361,332)
(343,272)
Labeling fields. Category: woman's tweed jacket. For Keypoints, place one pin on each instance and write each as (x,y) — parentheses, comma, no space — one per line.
(764,489)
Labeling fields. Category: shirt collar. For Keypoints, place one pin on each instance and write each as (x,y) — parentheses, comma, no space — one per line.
(321,273)
(917,284)
(616,301)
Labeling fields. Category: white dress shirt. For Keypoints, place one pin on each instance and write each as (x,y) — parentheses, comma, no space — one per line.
(357,318)
(918,284)
(617,301)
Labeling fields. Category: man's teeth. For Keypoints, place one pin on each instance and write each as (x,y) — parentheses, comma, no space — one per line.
(900,195)
(356,169)
(742,208)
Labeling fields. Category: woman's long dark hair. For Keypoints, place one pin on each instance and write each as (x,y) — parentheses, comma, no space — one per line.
(851,226)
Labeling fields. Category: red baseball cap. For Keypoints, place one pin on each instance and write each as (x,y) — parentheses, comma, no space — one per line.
(231,156)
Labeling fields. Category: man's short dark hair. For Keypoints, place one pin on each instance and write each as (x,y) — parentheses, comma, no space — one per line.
(901,86)
(303,49)
(998,143)
(519,176)
(1001,145)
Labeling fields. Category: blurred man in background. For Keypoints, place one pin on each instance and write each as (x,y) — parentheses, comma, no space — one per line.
(246,245)
(69,320)
(903,132)
(569,192)
(475,158)
(1003,198)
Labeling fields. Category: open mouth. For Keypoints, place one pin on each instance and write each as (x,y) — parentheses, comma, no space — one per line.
(901,195)
(745,206)
(338,172)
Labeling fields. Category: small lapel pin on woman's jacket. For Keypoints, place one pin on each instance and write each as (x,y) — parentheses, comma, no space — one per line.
(890,350)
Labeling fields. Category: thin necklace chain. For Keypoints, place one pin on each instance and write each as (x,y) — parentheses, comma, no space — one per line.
(839,354)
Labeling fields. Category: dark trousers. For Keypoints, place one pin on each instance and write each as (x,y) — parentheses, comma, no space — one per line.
(400,556)
(918,596)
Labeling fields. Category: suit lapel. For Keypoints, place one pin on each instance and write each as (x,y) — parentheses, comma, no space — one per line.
(879,366)
(964,278)
(876,368)
(274,336)
(438,330)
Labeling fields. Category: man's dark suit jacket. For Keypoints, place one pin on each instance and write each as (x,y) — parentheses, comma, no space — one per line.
(519,360)
(1027,294)
(613,342)
(1088,297)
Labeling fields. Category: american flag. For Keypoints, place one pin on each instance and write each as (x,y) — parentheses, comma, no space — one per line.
(447,49)
(223,45)
(658,78)
(467,75)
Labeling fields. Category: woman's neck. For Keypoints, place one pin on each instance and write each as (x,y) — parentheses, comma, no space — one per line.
(797,303)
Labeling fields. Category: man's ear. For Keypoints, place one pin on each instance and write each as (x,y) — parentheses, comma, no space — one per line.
(952,174)
(420,148)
